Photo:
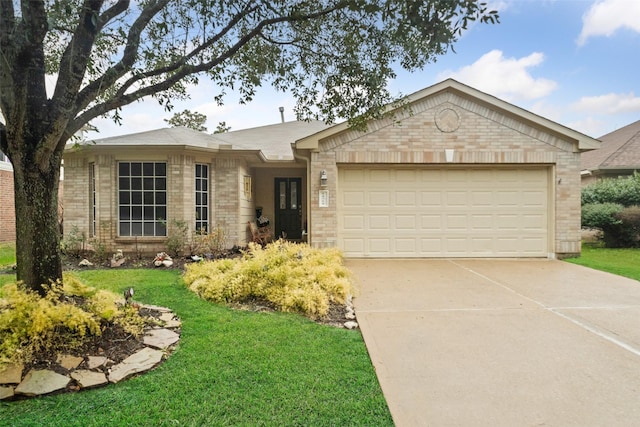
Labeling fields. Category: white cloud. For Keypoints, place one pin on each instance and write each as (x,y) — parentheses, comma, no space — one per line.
(611,103)
(506,78)
(590,126)
(605,17)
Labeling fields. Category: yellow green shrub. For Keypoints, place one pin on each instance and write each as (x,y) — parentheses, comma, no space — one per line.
(64,319)
(292,276)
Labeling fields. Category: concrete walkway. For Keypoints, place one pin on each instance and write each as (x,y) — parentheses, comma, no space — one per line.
(501,342)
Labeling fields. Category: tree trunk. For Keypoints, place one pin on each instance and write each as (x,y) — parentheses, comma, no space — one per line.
(37,232)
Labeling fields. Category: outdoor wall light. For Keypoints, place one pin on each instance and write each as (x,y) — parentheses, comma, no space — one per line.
(323,179)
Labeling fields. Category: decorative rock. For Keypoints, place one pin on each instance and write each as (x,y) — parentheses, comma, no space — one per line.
(69,362)
(162,259)
(156,308)
(12,373)
(350,315)
(351,325)
(117,262)
(160,338)
(141,361)
(94,362)
(42,382)
(6,392)
(170,321)
(89,378)
(85,263)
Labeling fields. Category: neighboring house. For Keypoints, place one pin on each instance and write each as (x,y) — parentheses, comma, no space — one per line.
(458,173)
(619,155)
(7,209)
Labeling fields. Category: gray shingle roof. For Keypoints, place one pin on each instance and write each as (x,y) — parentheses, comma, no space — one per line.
(274,141)
(620,149)
(165,136)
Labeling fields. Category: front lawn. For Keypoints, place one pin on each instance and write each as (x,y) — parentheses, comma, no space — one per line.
(623,262)
(7,254)
(231,368)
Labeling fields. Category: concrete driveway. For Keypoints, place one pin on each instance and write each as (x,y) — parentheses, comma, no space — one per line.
(501,342)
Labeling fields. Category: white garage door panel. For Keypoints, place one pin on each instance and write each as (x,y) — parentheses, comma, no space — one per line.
(420,212)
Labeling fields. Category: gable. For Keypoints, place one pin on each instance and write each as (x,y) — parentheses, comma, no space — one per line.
(448,120)
(620,150)
(468,105)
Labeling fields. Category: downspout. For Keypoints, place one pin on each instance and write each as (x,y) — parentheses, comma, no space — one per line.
(308,163)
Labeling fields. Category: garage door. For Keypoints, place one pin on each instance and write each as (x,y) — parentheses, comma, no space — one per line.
(450,212)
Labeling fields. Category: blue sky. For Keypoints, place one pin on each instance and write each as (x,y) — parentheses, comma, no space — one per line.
(574,62)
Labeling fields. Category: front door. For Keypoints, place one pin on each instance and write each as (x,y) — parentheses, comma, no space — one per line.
(288,221)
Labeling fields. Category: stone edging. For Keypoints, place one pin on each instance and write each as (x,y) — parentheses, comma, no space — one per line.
(94,371)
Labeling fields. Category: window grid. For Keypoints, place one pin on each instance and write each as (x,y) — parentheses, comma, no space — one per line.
(142,198)
(202,198)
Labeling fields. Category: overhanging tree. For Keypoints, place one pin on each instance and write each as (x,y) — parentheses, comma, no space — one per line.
(189,119)
(334,56)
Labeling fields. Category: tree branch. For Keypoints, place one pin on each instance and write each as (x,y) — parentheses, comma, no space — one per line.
(129,55)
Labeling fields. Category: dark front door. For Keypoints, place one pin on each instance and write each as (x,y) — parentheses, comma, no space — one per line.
(288,208)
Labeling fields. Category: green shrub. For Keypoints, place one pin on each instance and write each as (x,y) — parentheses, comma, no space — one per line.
(620,225)
(178,237)
(600,215)
(292,276)
(623,190)
(64,319)
(74,242)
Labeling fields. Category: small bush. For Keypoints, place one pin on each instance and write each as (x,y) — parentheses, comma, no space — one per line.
(600,215)
(209,242)
(74,242)
(64,319)
(292,276)
(178,237)
(620,225)
(624,191)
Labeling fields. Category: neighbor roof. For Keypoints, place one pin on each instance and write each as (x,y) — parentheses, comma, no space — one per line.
(620,150)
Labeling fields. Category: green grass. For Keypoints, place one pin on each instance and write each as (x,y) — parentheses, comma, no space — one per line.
(7,254)
(623,262)
(231,368)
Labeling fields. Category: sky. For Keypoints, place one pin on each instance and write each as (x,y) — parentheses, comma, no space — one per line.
(574,62)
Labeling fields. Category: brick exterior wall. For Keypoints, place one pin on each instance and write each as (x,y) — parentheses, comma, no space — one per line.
(7,207)
(479,136)
(228,209)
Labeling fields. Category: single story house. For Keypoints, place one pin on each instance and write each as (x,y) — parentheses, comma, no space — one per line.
(455,172)
(619,155)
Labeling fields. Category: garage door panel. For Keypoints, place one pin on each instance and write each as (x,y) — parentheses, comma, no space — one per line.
(405,198)
(431,222)
(354,246)
(431,198)
(405,222)
(379,222)
(354,222)
(353,199)
(456,198)
(482,222)
(449,212)
(379,199)
(405,246)
(379,246)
